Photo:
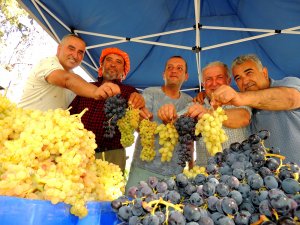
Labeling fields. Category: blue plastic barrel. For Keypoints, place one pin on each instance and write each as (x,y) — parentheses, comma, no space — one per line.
(20,211)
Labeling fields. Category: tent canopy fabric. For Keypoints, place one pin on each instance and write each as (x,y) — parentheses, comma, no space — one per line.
(201,31)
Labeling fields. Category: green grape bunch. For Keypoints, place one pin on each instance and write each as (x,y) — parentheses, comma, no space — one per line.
(147,130)
(210,127)
(168,138)
(127,126)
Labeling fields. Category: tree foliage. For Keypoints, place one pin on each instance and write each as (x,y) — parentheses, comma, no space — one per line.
(11,16)
(16,33)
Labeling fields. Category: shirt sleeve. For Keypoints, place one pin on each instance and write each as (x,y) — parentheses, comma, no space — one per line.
(47,66)
(292,82)
(148,96)
(127,90)
(188,101)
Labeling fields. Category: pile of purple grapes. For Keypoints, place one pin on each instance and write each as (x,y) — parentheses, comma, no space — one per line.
(114,109)
(245,184)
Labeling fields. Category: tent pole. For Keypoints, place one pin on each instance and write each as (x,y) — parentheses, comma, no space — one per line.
(37,5)
(197,44)
(45,19)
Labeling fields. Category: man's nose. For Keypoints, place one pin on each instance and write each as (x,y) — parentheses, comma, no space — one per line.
(214,82)
(245,80)
(76,55)
(112,63)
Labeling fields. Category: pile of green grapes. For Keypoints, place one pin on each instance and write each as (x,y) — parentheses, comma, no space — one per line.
(50,156)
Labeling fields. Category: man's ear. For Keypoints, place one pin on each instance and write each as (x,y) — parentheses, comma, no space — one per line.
(265,73)
(229,80)
(163,75)
(123,76)
(58,49)
(186,76)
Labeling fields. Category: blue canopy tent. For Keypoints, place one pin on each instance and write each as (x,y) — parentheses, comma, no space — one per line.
(200,31)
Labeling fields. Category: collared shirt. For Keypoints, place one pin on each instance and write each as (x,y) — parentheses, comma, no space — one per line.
(93,119)
(284,125)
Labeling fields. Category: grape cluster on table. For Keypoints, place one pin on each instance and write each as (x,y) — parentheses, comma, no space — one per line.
(246,184)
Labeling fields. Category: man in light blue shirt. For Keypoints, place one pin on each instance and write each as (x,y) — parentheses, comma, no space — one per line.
(163,103)
(276,103)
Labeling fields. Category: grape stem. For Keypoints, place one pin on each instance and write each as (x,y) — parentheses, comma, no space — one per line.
(103,156)
(262,218)
(82,112)
(160,201)
(110,119)
(275,214)
(276,155)
(281,157)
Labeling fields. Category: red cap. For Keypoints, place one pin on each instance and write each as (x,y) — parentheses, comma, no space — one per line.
(119,52)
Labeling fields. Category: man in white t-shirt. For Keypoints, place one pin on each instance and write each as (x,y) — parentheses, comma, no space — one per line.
(47,83)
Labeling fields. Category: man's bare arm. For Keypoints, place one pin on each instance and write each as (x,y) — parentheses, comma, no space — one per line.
(276,98)
(81,87)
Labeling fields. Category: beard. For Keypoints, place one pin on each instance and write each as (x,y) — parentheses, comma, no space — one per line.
(111,75)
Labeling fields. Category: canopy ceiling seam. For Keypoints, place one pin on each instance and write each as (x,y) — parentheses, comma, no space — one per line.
(275,32)
(137,39)
(197,48)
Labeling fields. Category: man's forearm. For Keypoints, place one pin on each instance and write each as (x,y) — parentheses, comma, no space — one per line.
(278,98)
(80,87)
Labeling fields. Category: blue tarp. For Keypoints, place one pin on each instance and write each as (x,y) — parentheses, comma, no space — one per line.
(125,20)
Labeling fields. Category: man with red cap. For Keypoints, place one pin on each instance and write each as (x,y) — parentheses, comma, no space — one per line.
(114,66)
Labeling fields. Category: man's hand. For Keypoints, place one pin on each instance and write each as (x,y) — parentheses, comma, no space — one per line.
(136,100)
(226,95)
(167,113)
(196,110)
(106,90)
(145,113)
(200,97)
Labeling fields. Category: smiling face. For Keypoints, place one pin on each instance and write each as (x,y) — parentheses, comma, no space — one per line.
(250,77)
(175,72)
(70,52)
(113,67)
(213,77)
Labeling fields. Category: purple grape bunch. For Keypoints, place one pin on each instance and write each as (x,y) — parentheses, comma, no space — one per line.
(114,109)
(185,127)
